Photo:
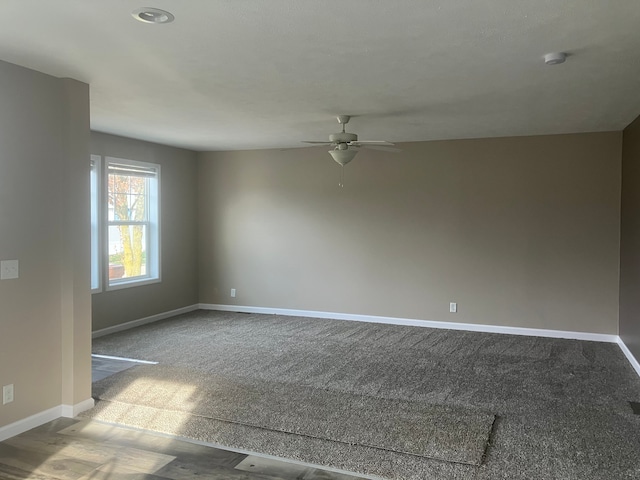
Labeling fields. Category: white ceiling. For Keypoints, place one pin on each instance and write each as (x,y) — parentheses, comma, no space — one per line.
(241,74)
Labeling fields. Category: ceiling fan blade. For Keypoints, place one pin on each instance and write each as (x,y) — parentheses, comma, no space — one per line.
(344,141)
(384,148)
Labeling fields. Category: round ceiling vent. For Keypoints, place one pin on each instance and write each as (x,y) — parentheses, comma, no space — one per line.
(152,15)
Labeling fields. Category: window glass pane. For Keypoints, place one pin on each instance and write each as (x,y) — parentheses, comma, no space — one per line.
(127,251)
(137,207)
(128,198)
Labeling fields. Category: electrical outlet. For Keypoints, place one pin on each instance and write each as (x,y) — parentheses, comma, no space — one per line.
(453,307)
(233,292)
(7,394)
(8,269)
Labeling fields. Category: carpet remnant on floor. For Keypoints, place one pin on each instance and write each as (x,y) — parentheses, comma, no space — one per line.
(448,433)
(362,461)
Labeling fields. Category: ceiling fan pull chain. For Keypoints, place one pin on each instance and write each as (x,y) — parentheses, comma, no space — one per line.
(341,184)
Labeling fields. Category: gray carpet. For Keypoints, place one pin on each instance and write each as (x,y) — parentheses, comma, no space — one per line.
(562,405)
(454,434)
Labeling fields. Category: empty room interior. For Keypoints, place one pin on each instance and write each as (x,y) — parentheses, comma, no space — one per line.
(320,240)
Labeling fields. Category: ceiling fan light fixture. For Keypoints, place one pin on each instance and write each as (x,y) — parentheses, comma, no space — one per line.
(343,156)
(152,15)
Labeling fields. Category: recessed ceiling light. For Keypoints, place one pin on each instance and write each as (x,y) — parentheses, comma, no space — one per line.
(555,58)
(152,15)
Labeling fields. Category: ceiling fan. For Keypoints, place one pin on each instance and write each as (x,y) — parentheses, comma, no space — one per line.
(346,145)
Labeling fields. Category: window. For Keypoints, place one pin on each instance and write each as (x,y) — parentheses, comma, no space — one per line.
(129,216)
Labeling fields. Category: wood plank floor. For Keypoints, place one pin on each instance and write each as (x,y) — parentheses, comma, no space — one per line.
(69,449)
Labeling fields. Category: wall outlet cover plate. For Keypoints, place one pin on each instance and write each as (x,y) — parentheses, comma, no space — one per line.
(7,394)
(9,269)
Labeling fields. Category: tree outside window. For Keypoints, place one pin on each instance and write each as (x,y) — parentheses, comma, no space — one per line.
(127,200)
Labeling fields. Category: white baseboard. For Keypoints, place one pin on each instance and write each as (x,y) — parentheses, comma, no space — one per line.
(143,321)
(632,360)
(28,423)
(72,411)
(21,426)
(472,327)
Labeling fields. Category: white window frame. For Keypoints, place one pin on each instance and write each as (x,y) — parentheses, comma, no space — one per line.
(96,223)
(153,233)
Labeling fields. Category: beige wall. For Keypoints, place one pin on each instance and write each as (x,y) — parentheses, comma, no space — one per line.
(630,240)
(519,231)
(45,314)
(178,235)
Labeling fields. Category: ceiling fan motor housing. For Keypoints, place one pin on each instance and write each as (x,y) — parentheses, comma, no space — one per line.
(343,137)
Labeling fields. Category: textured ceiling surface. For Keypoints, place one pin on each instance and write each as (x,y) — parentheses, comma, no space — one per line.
(240,74)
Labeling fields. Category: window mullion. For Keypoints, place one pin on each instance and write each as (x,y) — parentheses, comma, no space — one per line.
(132,222)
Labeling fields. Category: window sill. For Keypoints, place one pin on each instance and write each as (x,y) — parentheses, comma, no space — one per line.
(133,283)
